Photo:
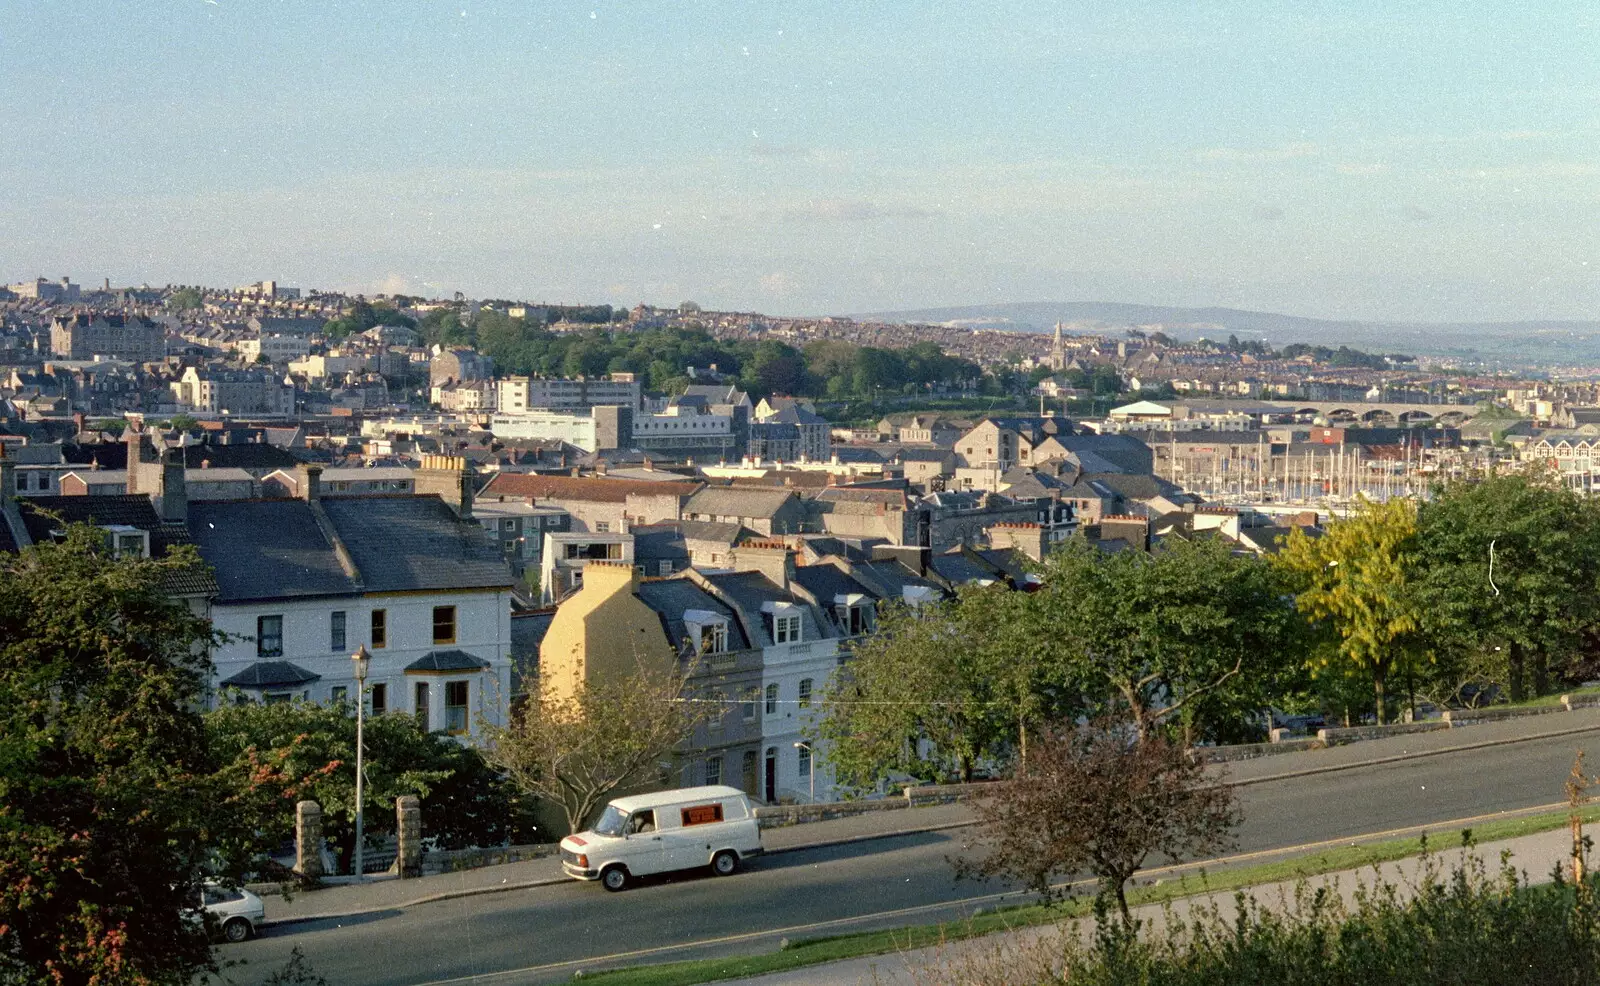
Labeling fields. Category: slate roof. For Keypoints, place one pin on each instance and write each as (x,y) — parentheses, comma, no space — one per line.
(267,674)
(751,589)
(527,633)
(266,549)
(593,489)
(894,575)
(244,455)
(825,582)
(661,542)
(713,530)
(910,454)
(406,543)
(671,598)
(958,568)
(447,660)
(737,502)
(126,509)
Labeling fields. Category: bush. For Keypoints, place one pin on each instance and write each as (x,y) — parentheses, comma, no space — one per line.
(1466,925)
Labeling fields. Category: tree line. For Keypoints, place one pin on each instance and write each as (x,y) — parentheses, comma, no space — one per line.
(1485,591)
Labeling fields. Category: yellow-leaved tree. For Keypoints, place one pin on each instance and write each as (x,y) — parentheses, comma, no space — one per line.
(1357,581)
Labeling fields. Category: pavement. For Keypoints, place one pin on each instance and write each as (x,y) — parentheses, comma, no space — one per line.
(388,894)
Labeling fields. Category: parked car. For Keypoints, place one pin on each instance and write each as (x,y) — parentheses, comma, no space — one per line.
(238,911)
(658,833)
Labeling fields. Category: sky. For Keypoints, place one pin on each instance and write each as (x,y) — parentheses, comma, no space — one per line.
(1372,160)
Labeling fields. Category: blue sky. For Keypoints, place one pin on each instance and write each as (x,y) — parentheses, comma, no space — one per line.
(1364,160)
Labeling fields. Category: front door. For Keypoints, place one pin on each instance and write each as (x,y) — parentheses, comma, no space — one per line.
(772,775)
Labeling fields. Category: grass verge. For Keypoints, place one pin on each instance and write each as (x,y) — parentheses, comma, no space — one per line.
(814,951)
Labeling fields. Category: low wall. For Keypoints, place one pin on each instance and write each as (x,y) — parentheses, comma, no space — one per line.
(1462,717)
(1251,751)
(450,861)
(1356,734)
(782,816)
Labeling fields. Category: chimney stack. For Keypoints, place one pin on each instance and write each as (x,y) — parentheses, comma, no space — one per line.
(310,481)
(451,478)
(172,500)
(774,559)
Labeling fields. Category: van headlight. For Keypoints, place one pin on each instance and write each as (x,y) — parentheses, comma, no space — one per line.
(583,860)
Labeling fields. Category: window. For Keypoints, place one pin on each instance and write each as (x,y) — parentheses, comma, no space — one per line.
(805,693)
(380,628)
(665,568)
(444,624)
(336,631)
(420,706)
(803,765)
(704,814)
(714,773)
(380,699)
(772,700)
(277,698)
(719,703)
(130,545)
(269,636)
(854,620)
(602,527)
(339,693)
(455,707)
(749,698)
(785,629)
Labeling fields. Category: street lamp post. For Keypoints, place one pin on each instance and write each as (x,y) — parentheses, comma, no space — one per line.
(362,661)
(811,761)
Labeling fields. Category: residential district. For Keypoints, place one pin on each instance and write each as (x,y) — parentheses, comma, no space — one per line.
(351,484)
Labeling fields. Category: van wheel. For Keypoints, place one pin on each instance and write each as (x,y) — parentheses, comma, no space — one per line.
(237,930)
(725,863)
(614,878)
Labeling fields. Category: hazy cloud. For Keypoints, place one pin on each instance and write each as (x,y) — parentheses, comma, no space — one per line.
(1237,155)
(850,211)
(1267,213)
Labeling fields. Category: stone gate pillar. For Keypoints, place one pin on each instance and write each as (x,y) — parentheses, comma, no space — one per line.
(408,823)
(308,841)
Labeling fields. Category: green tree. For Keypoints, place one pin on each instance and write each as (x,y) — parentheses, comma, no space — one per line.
(312,749)
(1541,596)
(185,300)
(933,692)
(109,815)
(1189,634)
(1358,582)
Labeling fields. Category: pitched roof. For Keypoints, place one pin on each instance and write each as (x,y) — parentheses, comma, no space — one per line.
(713,530)
(671,598)
(268,674)
(744,501)
(447,660)
(126,509)
(405,543)
(266,549)
(591,488)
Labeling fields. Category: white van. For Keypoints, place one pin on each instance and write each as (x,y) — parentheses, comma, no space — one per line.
(665,831)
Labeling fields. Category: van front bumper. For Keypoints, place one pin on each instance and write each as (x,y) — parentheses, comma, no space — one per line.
(579,873)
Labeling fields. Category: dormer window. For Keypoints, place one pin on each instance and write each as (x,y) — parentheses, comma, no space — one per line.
(708,632)
(854,612)
(127,542)
(783,622)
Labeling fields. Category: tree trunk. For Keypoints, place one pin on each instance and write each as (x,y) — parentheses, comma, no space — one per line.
(1541,672)
(966,769)
(1514,663)
(1122,904)
(1377,688)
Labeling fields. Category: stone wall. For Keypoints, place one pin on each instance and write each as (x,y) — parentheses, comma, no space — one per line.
(451,861)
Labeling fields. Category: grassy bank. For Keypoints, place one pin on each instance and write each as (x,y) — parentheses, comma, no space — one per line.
(814,951)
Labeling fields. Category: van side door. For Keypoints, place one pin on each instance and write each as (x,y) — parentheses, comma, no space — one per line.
(646,848)
(697,826)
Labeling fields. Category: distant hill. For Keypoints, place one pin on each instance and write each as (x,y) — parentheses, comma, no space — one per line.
(1566,343)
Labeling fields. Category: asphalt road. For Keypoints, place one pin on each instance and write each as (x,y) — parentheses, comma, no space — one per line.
(544,934)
